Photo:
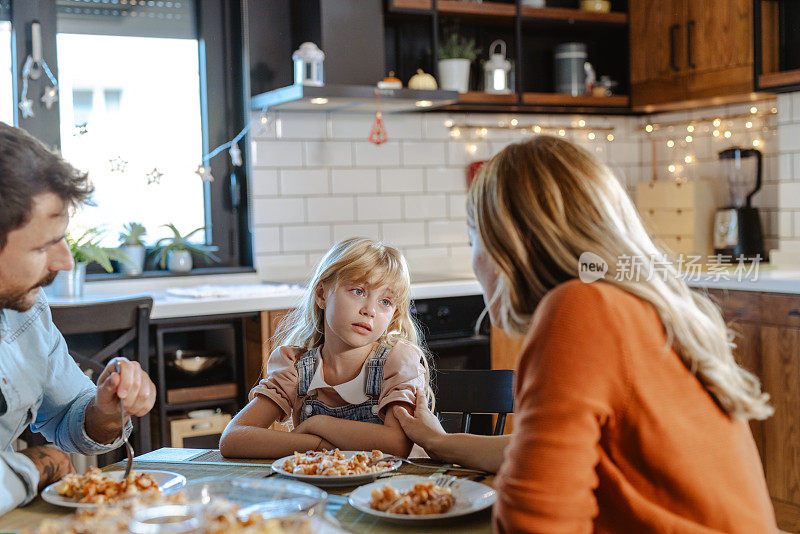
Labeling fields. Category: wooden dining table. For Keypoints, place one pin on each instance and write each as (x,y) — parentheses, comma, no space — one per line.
(201,463)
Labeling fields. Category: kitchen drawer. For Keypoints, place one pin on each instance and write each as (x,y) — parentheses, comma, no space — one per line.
(781,310)
(738,306)
(666,194)
(669,221)
(182,430)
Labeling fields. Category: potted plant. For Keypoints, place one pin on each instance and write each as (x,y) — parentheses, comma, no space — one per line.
(85,250)
(455,56)
(130,240)
(175,252)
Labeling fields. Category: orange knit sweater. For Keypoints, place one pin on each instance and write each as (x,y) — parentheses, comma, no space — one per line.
(613,434)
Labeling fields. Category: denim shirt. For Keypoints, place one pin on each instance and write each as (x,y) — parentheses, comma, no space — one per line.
(43,387)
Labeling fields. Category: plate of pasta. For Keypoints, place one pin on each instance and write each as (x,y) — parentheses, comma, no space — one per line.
(95,487)
(415,498)
(334,467)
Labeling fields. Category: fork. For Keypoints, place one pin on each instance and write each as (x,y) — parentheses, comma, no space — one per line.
(128,448)
(444,481)
(406,460)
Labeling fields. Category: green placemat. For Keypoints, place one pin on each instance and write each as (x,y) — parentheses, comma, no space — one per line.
(215,457)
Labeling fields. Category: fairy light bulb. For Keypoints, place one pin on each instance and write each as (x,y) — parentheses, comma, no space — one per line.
(670,143)
(537,129)
(727,134)
(756,142)
(648,128)
(455,132)
(748,124)
(753,110)
(716,133)
(688,159)
(610,137)
(671,168)
(689,138)
(717,122)
(591,136)
(472,148)
(449,123)
(514,122)
(690,128)
(581,123)
(562,133)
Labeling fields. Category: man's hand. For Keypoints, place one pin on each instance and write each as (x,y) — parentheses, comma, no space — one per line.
(51,462)
(131,385)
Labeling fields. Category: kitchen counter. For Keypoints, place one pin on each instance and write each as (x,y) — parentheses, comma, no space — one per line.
(239,293)
(768,280)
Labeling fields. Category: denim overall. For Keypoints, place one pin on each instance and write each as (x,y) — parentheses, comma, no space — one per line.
(366,412)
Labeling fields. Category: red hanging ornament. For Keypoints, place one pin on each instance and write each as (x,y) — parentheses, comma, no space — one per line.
(377,134)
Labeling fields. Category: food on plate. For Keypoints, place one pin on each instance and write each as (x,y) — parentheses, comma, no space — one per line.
(218,517)
(422,498)
(334,463)
(94,487)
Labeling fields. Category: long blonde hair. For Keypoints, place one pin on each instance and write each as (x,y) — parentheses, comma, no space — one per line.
(360,260)
(538,205)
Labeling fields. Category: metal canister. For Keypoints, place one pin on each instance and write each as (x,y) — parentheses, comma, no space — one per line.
(570,74)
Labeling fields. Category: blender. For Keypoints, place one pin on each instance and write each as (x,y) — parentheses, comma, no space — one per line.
(737,227)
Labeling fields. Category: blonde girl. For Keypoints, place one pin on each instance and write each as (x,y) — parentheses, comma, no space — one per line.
(348,353)
(630,411)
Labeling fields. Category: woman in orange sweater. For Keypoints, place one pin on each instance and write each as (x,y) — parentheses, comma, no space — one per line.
(630,411)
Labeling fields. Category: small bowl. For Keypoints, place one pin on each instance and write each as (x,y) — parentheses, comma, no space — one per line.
(193,362)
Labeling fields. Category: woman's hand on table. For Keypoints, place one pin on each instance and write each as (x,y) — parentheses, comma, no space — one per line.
(423,428)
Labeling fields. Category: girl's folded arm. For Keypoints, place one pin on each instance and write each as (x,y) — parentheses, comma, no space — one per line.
(248,434)
(359,436)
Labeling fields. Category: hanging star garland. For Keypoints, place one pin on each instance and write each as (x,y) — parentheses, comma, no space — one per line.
(81,129)
(118,164)
(50,96)
(154,176)
(204,173)
(236,155)
(26,106)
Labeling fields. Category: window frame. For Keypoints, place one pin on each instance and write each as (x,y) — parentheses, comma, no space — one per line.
(223,94)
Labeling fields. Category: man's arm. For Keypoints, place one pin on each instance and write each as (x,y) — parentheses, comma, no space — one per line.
(19,479)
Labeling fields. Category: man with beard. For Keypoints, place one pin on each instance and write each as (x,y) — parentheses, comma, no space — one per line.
(40,384)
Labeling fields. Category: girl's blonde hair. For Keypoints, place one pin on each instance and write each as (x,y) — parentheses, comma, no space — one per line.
(538,205)
(356,260)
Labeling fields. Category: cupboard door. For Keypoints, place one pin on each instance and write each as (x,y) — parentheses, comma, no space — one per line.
(719,47)
(748,355)
(780,363)
(657,51)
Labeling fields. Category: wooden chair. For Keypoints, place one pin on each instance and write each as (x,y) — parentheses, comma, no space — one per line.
(122,322)
(471,392)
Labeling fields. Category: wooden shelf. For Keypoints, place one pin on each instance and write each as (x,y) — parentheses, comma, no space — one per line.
(509,11)
(777,79)
(201,393)
(479,97)
(572,15)
(555,99)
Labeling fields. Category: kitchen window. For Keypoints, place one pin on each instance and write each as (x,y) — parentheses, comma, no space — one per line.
(146,88)
(6,84)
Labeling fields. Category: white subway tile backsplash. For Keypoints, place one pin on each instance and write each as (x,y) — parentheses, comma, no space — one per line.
(354,181)
(789,195)
(425,206)
(331,209)
(785,224)
(403,126)
(304,182)
(264,182)
(457,206)
(621,152)
(355,126)
(786,167)
(379,208)
(345,231)
(328,154)
(303,125)
(789,138)
(461,153)
(404,234)
(372,155)
(795,176)
(402,180)
(462,253)
(277,154)
(422,154)
(278,210)
(784,105)
(306,238)
(796,109)
(796,232)
(433,124)
(267,239)
(283,267)
(447,232)
(445,180)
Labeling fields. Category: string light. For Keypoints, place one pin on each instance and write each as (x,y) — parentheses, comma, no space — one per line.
(715,133)
(449,123)
(537,129)
(717,122)
(689,139)
(648,128)
(562,133)
(455,132)
(472,148)
(591,136)
(727,134)
(690,128)
(670,143)
(671,168)
(514,122)
(753,110)
(756,142)
(688,159)
(748,124)
(581,123)
(610,137)
(483,132)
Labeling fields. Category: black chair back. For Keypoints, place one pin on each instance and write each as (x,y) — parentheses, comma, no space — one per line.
(475,392)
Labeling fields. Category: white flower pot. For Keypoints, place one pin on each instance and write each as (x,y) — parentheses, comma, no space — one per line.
(70,283)
(179,261)
(454,74)
(136,254)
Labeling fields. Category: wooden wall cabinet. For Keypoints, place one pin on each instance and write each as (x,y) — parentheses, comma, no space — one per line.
(684,50)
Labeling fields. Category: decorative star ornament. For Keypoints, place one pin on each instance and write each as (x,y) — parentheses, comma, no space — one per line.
(26,106)
(50,96)
(204,173)
(154,176)
(118,164)
(236,155)
(81,129)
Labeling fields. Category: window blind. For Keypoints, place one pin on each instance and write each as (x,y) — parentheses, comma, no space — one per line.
(132,18)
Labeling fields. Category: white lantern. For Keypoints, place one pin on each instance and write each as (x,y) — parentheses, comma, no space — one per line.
(496,70)
(308,65)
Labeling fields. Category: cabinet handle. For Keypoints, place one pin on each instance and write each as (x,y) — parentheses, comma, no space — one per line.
(689,27)
(794,313)
(672,29)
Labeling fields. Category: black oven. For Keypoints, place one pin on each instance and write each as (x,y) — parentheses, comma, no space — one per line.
(448,327)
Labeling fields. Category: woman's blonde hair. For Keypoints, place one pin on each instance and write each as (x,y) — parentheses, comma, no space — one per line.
(538,205)
(356,260)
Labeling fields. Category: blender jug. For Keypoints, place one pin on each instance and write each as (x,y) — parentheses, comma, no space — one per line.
(737,227)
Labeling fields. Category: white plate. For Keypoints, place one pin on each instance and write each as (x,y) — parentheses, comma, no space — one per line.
(470,497)
(166,480)
(333,481)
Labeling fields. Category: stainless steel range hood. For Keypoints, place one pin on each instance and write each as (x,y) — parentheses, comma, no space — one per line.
(350,98)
